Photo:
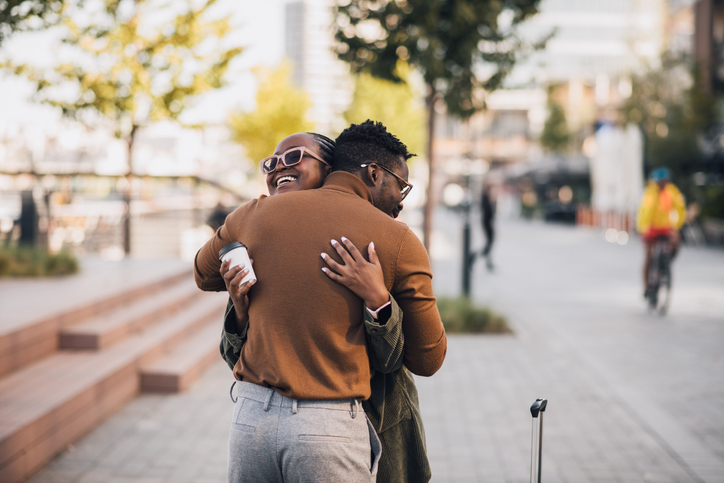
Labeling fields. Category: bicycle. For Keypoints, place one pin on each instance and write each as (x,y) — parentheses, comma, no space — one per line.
(659,289)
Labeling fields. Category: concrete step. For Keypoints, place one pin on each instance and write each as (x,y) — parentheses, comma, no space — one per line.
(53,402)
(175,370)
(25,340)
(109,327)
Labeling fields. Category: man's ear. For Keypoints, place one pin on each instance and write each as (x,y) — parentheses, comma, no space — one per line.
(373,174)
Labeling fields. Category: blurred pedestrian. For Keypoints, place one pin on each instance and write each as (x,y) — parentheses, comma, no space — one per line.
(487,205)
(661,214)
(217,217)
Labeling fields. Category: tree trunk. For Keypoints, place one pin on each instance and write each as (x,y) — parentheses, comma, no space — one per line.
(429,199)
(127,194)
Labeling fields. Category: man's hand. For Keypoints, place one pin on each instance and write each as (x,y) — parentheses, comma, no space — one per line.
(237,291)
(363,278)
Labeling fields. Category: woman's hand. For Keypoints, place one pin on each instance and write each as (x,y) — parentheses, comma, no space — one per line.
(363,278)
(237,291)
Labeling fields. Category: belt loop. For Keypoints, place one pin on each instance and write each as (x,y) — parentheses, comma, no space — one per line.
(353,408)
(294,406)
(268,399)
(231,393)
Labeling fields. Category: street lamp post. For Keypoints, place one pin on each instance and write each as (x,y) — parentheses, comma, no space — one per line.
(468,257)
(458,196)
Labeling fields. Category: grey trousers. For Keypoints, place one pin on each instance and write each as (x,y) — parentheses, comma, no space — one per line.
(277,439)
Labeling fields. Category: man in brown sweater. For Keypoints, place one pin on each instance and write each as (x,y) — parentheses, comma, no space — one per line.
(305,353)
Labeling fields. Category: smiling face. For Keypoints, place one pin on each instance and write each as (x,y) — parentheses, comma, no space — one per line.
(308,174)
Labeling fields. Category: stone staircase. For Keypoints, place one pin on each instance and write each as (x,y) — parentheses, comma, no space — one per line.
(63,375)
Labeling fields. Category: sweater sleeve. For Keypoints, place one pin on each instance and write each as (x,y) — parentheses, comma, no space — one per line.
(425,340)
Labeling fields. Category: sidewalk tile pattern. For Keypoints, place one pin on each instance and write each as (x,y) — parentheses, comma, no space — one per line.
(633,397)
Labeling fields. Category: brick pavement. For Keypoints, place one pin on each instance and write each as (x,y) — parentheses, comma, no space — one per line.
(633,397)
(575,303)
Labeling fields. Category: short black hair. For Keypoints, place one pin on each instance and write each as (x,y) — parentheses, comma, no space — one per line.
(326,146)
(368,142)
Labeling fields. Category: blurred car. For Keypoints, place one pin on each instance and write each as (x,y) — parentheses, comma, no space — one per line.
(559,212)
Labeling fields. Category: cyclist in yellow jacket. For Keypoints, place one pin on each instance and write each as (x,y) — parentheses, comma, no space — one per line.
(661,213)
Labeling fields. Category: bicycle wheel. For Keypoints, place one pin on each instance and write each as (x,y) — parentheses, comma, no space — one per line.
(654,279)
(664,296)
(653,295)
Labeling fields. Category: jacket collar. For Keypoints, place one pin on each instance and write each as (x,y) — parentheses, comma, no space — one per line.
(347,183)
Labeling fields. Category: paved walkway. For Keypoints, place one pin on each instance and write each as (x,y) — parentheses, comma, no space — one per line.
(633,397)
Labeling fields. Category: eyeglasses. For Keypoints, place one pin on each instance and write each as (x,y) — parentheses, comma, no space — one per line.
(290,157)
(405,187)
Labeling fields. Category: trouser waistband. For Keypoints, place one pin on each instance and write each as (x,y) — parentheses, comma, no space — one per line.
(271,398)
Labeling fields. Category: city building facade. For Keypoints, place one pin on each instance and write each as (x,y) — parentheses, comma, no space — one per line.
(316,70)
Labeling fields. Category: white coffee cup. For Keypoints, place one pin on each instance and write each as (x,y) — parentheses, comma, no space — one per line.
(237,253)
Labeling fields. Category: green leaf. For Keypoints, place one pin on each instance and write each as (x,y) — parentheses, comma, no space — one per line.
(131,63)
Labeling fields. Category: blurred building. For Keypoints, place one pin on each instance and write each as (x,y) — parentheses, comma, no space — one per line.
(594,49)
(708,42)
(680,26)
(696,28)
(708,50)
(316,70)
(593,41)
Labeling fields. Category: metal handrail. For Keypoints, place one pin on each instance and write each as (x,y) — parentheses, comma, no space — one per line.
(195,178)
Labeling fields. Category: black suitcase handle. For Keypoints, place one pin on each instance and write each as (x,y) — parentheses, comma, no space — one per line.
(536,446)
(538,406)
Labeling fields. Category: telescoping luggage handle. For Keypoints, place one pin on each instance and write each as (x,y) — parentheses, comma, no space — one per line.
(536,446)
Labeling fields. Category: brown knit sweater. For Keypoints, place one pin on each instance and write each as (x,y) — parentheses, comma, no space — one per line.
(306,336)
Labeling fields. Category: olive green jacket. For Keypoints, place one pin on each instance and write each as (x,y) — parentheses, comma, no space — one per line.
(393,408)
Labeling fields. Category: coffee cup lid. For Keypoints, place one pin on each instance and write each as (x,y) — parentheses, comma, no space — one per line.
(230,247)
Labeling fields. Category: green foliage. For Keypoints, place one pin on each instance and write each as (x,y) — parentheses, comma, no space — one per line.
(25,261)
(674,111)
(22,15)
(555,136)
(448,41)
(462,316)
(135,67)
(461,47)
(713,202)
(391,103)
(280,112)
